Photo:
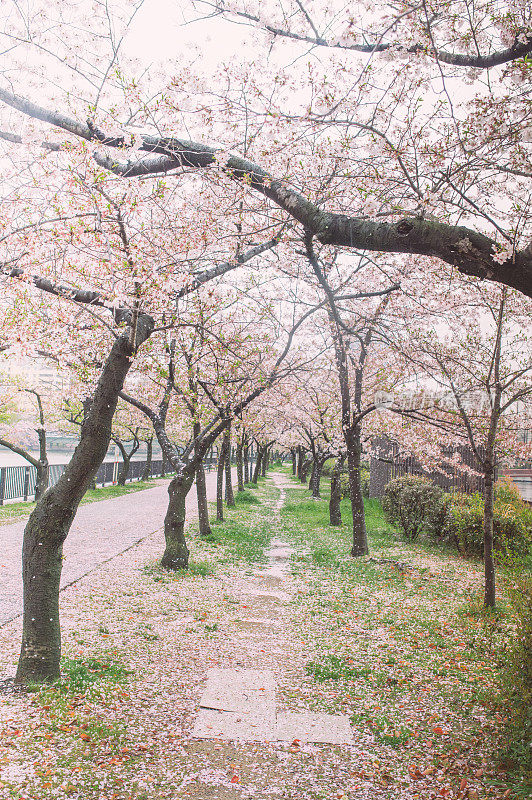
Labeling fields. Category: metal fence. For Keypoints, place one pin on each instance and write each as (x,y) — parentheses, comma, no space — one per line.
(19,482)
(387,463)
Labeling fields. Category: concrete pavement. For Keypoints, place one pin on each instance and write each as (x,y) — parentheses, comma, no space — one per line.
(100,531)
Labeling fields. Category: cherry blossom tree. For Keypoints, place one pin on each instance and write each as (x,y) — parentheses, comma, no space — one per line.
(477,359)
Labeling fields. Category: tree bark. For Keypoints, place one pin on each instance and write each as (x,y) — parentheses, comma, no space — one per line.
(489,565)
(149,456)
(354,450)
(50,521)
(258,462)
(124,470)
(239,466)
(315,480)
(300,459)
(335,515)
(305,467)
(229,494)
(293,453)
(265,461)
(176,552)
(246,463)
(201,492)
(219,482)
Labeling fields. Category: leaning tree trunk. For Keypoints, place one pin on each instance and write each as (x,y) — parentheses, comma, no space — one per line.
(176,551)
(219,483)
(50,521)
(489,565)
(354,450)
(239,466)
(335,514)
(229,494)
(256,471)
(149,456)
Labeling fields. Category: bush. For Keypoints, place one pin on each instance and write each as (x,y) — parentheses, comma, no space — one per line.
(512,522)
(364,480)
(414,504)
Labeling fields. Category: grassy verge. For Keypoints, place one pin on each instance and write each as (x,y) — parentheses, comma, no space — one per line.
(242,537)
(14,511)
(399,641)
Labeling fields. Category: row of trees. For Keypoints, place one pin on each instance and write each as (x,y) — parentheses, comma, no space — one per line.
(359,202)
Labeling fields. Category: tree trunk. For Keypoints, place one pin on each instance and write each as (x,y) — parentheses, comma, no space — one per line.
(124,470)
(246,464)
(305,466)
(256,471)
(149,456)
(201,491)
(312,477)
(220,482)
(43,479)
(293,452)
(264,463)
(335,515)
(176,552)
(43,467)
(360,539)
(239,467)
(50,521)
(489,566)
(317,468)
(229,494)
(300,460)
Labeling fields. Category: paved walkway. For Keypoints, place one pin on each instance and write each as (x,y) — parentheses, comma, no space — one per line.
(100,531)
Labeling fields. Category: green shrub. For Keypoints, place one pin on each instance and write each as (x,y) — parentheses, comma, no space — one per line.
(512,522)
(364,480)
(344,484)
(414,504)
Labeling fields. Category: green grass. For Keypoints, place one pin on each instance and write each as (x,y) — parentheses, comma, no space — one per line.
(13,511)
(245,532)
(195,568)
(400,637)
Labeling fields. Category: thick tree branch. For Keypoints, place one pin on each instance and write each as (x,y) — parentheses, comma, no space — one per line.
(472,253)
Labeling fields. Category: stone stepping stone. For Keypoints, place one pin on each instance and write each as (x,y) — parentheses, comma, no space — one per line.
(212,724)
(274,597)
(240,704)
(242,690)
(307,726)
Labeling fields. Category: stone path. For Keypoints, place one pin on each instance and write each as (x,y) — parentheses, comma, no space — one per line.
(239,704)
(101,531)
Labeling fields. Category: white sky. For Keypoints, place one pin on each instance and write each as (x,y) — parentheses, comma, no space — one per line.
(159,33)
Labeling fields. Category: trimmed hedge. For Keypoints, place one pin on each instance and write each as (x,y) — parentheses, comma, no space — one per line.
(415,505)
(512,521)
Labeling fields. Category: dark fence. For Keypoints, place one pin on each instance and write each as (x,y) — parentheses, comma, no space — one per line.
(387,463)
(19,482)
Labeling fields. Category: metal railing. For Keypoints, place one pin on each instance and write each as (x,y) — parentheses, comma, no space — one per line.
(19,482)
